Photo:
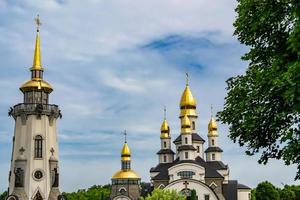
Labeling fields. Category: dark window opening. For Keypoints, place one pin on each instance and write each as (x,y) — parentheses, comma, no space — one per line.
(38,146)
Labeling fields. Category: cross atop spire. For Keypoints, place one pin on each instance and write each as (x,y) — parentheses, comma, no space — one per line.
(187,77)
(211,110)
(165,112)
(125,136)
(38,22)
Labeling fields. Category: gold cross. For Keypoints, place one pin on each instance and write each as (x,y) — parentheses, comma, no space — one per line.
(165,112)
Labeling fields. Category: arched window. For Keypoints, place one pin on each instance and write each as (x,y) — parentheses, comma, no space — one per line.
(186,155)
(38,146)
(193,125)
(213,156)
(165,158)
(165,144)
(186,140)
(213,142)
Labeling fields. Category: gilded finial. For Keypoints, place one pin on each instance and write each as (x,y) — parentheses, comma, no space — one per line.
(38,22)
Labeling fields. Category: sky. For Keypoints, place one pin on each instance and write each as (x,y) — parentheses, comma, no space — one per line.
(114,65)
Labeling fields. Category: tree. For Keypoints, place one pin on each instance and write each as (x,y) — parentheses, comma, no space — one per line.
(3,195)
(266,191)
(93,193)
(287,193)
(194,195)
(158,194)
(262,106)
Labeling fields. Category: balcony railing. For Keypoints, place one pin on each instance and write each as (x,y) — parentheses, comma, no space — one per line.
(34,108)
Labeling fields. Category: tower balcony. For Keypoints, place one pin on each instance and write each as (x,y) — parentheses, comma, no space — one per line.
(25,109)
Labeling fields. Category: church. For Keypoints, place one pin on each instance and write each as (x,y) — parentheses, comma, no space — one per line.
(34,172)
(191,168)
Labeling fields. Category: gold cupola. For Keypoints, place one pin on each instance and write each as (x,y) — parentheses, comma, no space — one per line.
(212,128)
(188,103)
(185,125)
(37,82)
(125,154)
(126,172)
(164,129)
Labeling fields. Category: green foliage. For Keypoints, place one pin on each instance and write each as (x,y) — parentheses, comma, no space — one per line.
(262,107)
(194,195)
(266,191)
(287,193)
(93,193)
(159,194)
(253,194)
(3,195)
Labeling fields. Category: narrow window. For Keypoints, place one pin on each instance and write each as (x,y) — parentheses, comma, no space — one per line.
(193,125)
(186,140)
(198,149)
(165,158)
(186,155)
(38,146)
(165,144)
(213,142)
(213,156)
(206,197)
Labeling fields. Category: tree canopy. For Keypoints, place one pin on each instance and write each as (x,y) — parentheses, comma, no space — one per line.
(158,194)
(267,191)
(96,192)
(262,106)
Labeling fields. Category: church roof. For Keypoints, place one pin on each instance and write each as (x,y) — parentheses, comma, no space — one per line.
(230,190)
(242,186)
(217,165)
(195,137)
(165,151)
(213,149)
(163,174)
(186,147)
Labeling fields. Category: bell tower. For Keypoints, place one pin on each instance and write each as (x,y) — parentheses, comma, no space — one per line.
(34,172)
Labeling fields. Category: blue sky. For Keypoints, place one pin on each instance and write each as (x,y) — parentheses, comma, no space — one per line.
(114,65)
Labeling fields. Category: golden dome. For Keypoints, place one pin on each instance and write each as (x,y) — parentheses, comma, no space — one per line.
(36,84)
(185,125)
(126,174)
(187,99)
(164,130)
(125,154)
(212,128)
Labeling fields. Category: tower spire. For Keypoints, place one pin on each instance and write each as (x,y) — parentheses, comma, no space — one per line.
(37,64)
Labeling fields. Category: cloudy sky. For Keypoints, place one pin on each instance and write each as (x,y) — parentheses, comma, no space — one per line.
(114,64)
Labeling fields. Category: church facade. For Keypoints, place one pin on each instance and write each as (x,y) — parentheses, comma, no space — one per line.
(191,169)
(34,172)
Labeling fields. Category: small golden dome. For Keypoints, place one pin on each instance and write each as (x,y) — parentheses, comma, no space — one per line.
(185,125)
(164,130)
(36,84)
(125,154)
(126,174)
(212,128)
(187,99)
